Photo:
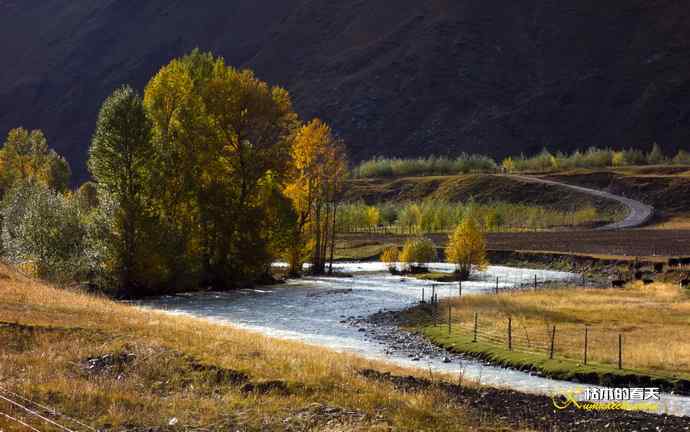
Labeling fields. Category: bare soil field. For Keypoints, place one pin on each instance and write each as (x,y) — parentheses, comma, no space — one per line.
(640,242)
(630,243)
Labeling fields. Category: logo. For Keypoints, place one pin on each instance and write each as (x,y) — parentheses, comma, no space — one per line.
(609,399)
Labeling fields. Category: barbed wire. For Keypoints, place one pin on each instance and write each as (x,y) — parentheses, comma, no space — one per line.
(51,410)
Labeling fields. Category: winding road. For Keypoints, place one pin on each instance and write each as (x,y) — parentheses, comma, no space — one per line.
(639,213)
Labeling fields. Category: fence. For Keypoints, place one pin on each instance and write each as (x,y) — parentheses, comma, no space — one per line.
(583,343)
(580,343)
(514,282)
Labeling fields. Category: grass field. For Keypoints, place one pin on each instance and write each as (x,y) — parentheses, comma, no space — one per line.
(653,321)
(117,367)
(483,188)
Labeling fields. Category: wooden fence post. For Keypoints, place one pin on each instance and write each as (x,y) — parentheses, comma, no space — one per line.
(449,317)
(422,294)
(459,288)
(476,320)
(620,351)
(553,338)
(535,282)
(586,342)
(496,284)
(510,333)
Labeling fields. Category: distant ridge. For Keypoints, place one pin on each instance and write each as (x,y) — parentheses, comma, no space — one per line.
(437,76)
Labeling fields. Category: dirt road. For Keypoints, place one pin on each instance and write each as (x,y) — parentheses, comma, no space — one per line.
(638,215)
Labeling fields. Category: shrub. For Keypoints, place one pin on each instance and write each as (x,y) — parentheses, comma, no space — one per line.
(682,158)
(432,165)
(43,230)
(418,253)
(390,257)
(656,156)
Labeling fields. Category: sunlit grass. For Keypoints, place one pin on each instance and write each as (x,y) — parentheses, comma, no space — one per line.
(61,329)
(653,321)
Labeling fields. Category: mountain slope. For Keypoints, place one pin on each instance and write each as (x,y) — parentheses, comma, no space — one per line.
(438,76)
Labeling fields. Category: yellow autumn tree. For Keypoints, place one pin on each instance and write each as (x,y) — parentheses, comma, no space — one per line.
(466,248)
(25,156)
(390,256)
(221,138)
(418,253)
(319,172)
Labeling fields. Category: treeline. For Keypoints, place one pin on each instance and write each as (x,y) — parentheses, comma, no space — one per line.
(432,165)
(202,182)
(436,215)
(542,162)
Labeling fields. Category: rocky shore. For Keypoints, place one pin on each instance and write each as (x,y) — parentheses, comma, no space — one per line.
(522,410)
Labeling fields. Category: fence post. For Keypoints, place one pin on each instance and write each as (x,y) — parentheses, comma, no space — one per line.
(586,342)
(510,333)
(476,319)
(449,317)
(535,282)
(422,294)
(496,284)
(553,338)
(620,351)
(459,288)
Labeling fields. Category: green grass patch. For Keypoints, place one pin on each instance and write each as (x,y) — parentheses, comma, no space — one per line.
(557,368)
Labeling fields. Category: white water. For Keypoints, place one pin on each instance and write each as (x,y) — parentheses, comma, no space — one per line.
(311,310)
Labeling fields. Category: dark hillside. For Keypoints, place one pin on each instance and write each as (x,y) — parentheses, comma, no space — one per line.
(434,76)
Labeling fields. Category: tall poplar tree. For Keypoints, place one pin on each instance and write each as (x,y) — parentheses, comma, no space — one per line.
(118,157)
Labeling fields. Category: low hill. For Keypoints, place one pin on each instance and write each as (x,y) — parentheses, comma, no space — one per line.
(663,187)
(483,188)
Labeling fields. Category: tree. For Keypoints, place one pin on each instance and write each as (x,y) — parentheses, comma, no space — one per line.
(390,257)
(43,232)
(319,172)
(466,248)
(418,253)
(218,133)
(373,217)
(656,155)
(25,156)
(118,157)
(87,196)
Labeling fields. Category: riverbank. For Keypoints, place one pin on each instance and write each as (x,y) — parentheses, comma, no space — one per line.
(91,361)
(548,332)
(116,367)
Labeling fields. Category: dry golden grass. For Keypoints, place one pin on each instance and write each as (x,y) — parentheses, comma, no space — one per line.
(675,222)
(47,334)
(654,321)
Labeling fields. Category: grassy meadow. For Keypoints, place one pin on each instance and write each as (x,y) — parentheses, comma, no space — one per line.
(652,319)
(118,367)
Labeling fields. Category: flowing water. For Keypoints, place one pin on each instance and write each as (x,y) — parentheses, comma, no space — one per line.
(319,311)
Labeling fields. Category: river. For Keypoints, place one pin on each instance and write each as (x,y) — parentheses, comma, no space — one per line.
(320,310)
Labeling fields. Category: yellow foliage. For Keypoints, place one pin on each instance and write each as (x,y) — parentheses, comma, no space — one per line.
(418,251)
(467,247)
(319,171)
(373,216)
(390,256)
(508,164)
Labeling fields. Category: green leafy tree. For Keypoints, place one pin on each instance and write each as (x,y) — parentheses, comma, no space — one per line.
(118,157)
(43,233)
(656,155)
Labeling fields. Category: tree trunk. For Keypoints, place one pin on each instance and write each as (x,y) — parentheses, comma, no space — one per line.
(335,213)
